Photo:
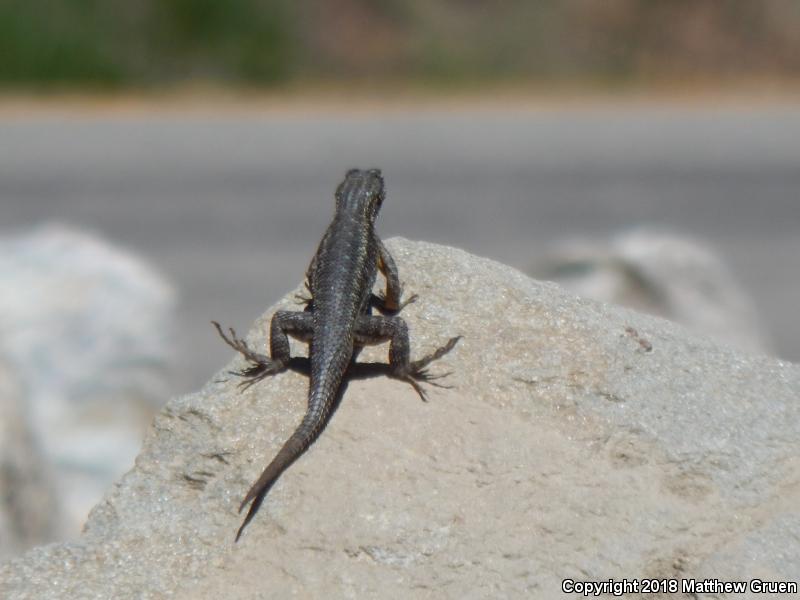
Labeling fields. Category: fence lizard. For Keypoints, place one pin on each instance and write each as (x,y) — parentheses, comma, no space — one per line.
(337,321)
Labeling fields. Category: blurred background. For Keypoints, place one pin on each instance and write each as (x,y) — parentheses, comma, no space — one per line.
(165,163)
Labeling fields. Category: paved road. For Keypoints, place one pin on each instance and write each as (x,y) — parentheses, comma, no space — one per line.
(231,204)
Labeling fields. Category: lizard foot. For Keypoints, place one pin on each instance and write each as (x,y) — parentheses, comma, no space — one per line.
(411,299)
(418,365)
(261,366)
(416,371)
(302,299)
(379,302)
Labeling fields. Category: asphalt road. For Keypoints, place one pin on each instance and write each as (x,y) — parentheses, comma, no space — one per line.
(231,204)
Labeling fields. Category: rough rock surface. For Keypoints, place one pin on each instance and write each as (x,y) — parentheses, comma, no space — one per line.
(581,441)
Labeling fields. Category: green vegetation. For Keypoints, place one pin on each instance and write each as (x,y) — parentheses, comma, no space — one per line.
(142,42)
(43,41)
(81,43)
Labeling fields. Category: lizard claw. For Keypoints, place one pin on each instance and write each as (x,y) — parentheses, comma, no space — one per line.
(417,366)
(417,387)
(411,299)
(255,373)
(379,302)
(302,299)
(416,371)
(260,366)
(413,378)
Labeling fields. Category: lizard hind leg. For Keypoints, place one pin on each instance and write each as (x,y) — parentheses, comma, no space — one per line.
(375,329)
(284,323)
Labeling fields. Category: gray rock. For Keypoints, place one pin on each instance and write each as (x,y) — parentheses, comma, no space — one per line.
(581,441)
(29,513)
(661,273)
(86,327)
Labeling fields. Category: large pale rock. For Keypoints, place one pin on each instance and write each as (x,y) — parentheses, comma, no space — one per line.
(581,441)
(29,511)
(86,328)
(661,273)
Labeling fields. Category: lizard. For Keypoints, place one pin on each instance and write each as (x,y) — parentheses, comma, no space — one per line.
(337,322)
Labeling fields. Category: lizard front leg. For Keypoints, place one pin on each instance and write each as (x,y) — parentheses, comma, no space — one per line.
(389,302)
(283,324)
(374,329)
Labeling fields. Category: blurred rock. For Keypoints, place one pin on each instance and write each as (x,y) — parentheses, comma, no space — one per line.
(663,274)
(86,328)
(581,441)
(28,506)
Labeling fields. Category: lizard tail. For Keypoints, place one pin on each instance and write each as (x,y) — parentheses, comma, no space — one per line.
(307,432)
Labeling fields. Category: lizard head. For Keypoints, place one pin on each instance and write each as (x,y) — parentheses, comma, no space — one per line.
(361,193)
